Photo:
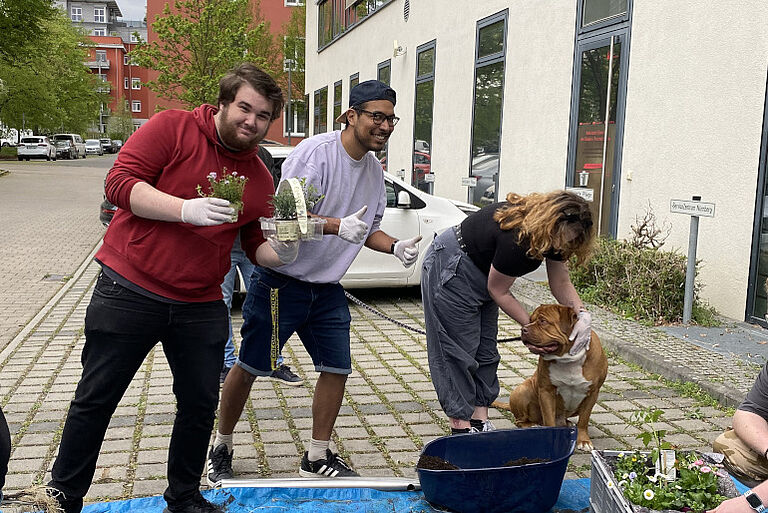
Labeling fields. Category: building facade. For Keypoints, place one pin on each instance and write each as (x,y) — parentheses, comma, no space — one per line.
(113,40)
(632,104)
(276,13)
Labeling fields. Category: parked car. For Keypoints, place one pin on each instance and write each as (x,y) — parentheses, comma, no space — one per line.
(409,212)
(36,147)
(93,146)
(485,168)
(116,145)
(65,149)
(106,145)
(75,139)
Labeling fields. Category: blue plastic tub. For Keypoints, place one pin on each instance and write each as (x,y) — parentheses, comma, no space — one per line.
(484,484)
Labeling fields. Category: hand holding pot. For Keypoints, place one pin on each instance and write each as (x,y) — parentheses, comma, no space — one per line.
(206,211)
(352,228)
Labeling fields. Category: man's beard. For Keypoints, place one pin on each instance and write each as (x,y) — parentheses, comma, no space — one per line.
(368,140)
(230,138)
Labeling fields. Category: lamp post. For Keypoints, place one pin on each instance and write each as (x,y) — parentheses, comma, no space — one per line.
(289,64)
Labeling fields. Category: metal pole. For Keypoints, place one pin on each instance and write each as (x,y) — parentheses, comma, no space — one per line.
(290,96)
(690,273)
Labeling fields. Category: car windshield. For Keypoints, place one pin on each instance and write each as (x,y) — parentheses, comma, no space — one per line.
(91,142)
(62,137)
(32,140)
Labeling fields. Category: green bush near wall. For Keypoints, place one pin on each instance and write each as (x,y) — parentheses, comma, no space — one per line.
(645,284)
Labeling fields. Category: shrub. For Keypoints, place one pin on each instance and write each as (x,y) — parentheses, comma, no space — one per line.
(641,283)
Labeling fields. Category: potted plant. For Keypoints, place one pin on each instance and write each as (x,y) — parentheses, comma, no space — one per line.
(658,478)
(229,187)
(293,199)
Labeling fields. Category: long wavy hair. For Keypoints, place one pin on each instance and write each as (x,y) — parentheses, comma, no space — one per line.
(557,221)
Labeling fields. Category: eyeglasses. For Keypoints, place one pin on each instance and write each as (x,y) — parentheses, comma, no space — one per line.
(379,117)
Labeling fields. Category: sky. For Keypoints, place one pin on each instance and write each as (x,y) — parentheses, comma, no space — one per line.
(133,9)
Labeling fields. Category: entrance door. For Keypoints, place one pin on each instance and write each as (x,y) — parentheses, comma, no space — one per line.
(597,125)
(757,292)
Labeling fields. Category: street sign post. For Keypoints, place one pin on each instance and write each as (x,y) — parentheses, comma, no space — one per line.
(694,208)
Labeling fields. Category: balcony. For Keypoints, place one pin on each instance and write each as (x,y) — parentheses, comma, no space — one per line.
(102,64)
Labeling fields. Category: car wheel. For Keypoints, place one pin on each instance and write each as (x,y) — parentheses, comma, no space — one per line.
(21,158)
(83,155)
(54,158)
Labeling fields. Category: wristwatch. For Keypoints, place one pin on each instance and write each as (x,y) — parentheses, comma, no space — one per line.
(754,501)
(392,247)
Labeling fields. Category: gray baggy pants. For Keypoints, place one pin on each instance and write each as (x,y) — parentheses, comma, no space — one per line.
(462,324)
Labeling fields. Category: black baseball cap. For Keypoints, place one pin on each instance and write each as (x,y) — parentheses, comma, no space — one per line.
(368,91)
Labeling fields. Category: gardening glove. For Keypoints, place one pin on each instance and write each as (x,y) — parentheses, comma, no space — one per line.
(286,251)
(407,250)
(582,333)
(206,211)
(352,228)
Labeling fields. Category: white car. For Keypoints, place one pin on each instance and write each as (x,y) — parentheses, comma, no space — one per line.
(93,146)
(36,147)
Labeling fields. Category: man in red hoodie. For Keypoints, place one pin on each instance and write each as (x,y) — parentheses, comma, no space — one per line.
(163,259)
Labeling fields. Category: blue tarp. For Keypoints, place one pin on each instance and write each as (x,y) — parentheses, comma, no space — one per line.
(574,497)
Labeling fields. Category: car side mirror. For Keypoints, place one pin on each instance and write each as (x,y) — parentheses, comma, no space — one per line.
(403,199)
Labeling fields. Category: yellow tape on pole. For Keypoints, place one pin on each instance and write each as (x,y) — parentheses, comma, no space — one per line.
(275,344)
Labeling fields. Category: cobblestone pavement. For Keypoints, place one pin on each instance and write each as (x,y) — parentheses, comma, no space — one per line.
(390,409)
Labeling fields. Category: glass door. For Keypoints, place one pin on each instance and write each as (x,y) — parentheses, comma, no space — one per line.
(595,146)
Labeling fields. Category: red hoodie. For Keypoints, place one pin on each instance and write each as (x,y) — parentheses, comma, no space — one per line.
(174,152)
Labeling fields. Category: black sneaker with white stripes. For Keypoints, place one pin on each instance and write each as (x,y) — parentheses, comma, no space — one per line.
(219,465)
(331,466)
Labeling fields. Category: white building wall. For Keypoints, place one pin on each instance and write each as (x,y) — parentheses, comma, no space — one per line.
(693,123)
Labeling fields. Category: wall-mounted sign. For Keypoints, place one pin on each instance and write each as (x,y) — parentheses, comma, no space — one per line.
(692,208)
(469,181)
(587,194)
(429,177)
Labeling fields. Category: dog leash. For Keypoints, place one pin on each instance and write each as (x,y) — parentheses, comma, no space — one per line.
(402,324)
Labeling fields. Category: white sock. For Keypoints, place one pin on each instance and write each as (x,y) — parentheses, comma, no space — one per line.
(223,439)
(317,449)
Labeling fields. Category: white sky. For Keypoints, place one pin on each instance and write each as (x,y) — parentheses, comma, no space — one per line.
(133,9)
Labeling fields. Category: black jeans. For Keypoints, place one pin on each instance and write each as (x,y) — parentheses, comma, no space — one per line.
(121,327)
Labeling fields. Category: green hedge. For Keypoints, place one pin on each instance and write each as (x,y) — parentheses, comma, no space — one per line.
(645,284)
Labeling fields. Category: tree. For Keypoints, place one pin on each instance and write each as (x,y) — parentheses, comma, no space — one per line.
(120,123)
(199,41)
(18,20)
(293,32)
(53,90)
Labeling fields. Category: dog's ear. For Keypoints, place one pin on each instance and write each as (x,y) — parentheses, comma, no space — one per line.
(567,319)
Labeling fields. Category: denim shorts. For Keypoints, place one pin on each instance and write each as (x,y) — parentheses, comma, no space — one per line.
(317,312)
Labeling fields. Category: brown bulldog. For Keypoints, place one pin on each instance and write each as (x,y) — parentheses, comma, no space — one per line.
(563,385)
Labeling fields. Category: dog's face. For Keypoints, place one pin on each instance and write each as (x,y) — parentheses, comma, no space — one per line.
(549,329)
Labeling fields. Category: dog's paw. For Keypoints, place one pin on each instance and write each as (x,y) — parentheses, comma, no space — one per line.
(585,446)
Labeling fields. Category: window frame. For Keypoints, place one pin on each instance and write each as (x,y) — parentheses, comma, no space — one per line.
(126,83)
(293,3)
(133,106)
(76,13)
(99,31)
(602,24)
(339,28)
(337,103)
(380,66)
(135,84)
(422,79)
(99,14)
(316,125)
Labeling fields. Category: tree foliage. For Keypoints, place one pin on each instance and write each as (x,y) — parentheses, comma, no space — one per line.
(198,41)
(45,83)
(293,32)
(120,123)
(18,20)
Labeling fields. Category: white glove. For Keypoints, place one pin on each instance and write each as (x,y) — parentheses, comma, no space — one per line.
(286,251)
(352,228)
(206,211)
(407,250)
(582,332)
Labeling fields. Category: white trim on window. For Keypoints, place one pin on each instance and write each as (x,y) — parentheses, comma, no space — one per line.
(99,32)
(126,60)
(125,83)
(293,3)
(135,83)
(76,13)
(100,14)
(136,106)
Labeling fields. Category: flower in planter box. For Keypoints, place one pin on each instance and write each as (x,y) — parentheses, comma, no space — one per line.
(229,187)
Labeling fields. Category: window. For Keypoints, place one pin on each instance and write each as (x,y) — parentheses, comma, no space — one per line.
(335,17)
(76,13)
(135,37)
(296,119)
(125,83)
(336,104)
(126,60)
(136,106)
(135,83)
(321,111)
(293,3)
(127,105)
(602,11)
(99,32)
(487,108)
(354,80)
(101,55)
(384,72)
(99,15)
(422,117)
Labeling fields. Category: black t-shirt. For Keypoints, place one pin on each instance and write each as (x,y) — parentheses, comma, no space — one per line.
(486,244)
(757,399)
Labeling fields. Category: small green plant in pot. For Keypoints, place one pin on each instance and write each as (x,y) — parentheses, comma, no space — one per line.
(229,186)
(284,203)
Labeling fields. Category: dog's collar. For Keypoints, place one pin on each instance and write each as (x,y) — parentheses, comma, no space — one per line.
(567,357)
